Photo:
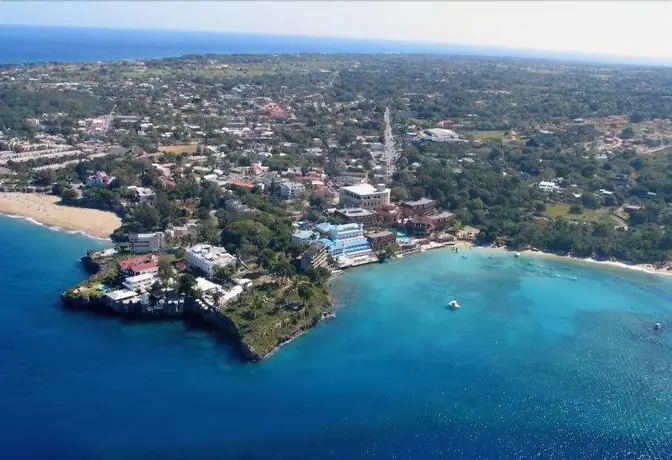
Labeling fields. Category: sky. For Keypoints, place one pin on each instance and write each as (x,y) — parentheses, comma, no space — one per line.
(618,28)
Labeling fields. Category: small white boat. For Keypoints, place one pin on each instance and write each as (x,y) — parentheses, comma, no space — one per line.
(657,326)
(517,254)
(453,304)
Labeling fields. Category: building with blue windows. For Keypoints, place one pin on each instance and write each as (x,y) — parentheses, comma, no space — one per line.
(347,240)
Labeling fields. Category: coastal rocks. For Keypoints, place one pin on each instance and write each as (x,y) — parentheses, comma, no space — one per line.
(224,324)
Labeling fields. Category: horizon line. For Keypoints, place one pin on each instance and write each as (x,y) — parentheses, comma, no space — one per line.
(438,48)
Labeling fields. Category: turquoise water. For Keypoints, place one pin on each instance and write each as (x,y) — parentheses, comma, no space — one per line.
(534,365)
(403,238)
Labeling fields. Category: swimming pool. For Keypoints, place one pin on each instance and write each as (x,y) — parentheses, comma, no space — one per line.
(403,238)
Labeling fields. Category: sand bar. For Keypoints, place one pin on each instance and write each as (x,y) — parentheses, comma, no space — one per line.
(46,210)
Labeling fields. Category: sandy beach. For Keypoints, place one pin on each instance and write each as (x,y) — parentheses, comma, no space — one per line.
(647,268)
(46,210)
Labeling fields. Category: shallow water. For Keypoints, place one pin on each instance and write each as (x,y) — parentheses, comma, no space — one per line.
(534,364)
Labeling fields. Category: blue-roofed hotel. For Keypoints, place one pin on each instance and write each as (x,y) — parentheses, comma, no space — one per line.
(347,240)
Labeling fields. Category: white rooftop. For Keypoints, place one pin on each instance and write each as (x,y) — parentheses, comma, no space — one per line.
(138,278)
(121,294)
(205,285)
(363,189)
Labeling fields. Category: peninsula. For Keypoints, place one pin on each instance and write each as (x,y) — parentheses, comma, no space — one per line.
(234,187)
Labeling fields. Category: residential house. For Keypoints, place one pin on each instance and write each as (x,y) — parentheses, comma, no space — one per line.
(289,190)
(548,187)
(99,179)
(142,194)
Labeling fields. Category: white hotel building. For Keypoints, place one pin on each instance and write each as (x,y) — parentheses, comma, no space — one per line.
(364,196)
(207,257)
(139,282)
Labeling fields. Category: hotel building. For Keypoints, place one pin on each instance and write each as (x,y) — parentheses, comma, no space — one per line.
(206,258)
(364,196)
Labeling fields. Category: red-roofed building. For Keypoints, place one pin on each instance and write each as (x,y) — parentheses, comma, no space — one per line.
(274,110)
(240,183)
(147,267)
(130,265)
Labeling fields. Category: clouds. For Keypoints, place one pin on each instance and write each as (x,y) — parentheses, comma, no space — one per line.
(618,28)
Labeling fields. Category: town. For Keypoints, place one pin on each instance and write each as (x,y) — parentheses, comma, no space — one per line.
(245,182)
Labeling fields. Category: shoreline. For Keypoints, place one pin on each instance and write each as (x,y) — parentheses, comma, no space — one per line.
(642,268)
(45,210)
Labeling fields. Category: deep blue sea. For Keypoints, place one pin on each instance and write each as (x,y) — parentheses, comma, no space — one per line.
(28,44)
(534,365)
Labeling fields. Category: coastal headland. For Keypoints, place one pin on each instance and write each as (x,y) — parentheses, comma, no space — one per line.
(46,209)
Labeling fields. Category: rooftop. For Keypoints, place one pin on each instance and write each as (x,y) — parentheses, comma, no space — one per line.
(138,278)
(303,234)
(363,189)
(420,202)
(205,285)
(382,234)
(442,215)
(121,294)
(352,212)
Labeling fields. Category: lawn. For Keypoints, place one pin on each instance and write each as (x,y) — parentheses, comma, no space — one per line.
(488,135)
(561,211)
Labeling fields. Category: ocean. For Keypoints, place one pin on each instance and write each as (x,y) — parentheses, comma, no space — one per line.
(30,44)
(544,359)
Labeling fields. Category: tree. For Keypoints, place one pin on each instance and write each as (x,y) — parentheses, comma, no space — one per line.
(165,269)
(398,194)
(224,274)
(148,217)
(627,133)
(68,195)
(46,177)
(318,202)
(589,201)
(208,231)
(576,209)
(186,283)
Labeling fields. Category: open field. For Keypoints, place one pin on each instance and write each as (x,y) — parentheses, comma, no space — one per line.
(182,148)
(561,211)
(487,135)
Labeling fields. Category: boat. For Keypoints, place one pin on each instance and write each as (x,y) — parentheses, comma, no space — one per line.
(517,254)
(657,326)
(453,305)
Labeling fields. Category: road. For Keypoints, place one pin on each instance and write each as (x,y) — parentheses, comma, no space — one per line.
(389,153)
